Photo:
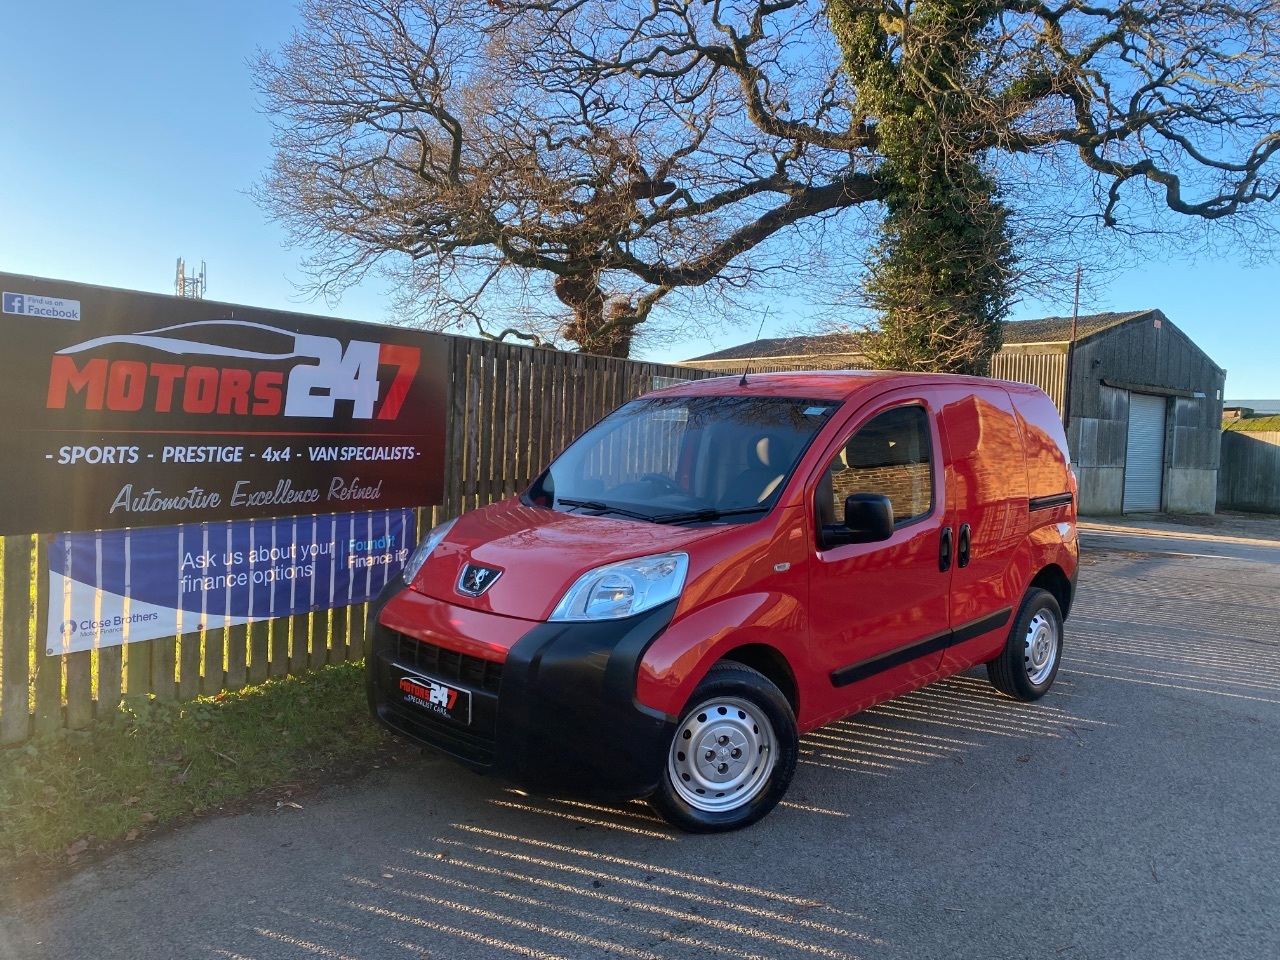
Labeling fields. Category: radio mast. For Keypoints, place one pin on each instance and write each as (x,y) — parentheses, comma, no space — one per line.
(191,287)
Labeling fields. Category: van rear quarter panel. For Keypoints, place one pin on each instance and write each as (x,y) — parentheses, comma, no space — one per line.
(1052,540)
(1044,537)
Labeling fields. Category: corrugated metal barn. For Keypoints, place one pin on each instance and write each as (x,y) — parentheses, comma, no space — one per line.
(1144,402)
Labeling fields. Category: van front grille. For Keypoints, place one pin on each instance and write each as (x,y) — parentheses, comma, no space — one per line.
(448,665)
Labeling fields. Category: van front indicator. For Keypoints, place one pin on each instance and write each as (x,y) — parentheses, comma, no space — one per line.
(624,589)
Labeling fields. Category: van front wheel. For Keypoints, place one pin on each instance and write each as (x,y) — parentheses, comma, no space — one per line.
(733,753)
(1026,667)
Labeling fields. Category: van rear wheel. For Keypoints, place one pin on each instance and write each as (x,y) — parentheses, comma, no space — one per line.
(1025,669)
(733,754)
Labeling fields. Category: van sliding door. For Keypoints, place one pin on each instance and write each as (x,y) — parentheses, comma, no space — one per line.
(987,507)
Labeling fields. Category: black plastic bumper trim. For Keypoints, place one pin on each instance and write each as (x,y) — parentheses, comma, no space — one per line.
(568,718)
(935,643)
(565,719)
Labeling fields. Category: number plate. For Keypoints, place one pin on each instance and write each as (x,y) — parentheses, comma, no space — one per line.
(435,696)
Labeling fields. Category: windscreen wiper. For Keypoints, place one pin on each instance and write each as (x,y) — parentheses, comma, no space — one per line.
(604,508)
(710,513)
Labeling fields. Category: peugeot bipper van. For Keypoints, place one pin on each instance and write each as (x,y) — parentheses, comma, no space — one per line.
(716,568)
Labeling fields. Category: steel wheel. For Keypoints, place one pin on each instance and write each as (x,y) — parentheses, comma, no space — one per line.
(1027,665)
(722,754)
(1040,647)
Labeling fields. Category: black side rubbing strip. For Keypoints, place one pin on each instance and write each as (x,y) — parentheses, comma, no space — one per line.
(1047,503)
(919,648)
(887,661)
(976,628)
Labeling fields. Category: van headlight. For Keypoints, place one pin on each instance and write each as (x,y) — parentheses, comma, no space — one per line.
(424,548)
(623,589)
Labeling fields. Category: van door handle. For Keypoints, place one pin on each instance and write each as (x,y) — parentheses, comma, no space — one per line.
(944,551)
(962,546)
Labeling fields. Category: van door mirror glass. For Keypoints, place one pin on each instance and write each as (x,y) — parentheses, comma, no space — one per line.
(868,518)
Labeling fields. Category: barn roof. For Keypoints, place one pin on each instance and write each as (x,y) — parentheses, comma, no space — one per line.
(824,345)
(1045,330)
(1058,329)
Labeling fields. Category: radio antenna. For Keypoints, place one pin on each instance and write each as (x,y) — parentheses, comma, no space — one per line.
(743,381)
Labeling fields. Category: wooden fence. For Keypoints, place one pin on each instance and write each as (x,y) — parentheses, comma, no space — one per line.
(511,409)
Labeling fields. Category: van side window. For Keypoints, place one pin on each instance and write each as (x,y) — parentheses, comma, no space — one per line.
(889,455)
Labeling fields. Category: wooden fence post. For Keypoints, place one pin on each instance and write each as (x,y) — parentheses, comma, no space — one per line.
(48,679)
(15,633)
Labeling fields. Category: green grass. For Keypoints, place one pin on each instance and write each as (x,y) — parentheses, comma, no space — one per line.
(157,763)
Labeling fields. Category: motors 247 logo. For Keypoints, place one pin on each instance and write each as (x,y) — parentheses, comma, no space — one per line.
(305,375)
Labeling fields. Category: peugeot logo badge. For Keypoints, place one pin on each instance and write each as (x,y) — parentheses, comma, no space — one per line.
(475,580)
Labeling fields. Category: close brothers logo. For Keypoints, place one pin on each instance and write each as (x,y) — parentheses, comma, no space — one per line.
(69,628)
(308,374)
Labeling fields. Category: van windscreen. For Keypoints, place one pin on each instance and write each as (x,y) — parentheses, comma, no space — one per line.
(684,459)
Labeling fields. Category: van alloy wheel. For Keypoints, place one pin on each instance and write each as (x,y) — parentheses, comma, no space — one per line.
(722,754)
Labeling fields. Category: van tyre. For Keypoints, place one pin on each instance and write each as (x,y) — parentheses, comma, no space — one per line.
(733,754)
(1026,667)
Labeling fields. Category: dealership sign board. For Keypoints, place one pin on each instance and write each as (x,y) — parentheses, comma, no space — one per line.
(125,409)
(113,587)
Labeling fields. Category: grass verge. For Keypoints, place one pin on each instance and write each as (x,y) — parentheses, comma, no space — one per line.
(155,763)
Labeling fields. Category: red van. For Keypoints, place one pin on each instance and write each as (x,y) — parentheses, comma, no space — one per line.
(716,568)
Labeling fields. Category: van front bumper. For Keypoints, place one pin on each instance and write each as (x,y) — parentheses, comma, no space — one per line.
(558,716)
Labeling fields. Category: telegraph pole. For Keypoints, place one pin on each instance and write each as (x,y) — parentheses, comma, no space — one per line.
(1071,354)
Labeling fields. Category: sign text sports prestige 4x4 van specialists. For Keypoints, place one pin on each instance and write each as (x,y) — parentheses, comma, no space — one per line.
(718,567)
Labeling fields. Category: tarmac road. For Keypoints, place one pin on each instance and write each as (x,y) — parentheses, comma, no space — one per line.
(1132,813)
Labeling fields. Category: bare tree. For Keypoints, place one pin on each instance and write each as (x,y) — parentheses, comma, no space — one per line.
(624,150)
(507,156)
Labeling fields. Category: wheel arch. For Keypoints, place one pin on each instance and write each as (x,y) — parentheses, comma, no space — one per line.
(1054,579)
(770,662)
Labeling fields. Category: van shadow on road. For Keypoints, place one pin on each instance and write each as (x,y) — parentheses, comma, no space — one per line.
(946,720)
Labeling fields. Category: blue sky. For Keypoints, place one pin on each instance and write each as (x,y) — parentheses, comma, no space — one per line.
(130,137)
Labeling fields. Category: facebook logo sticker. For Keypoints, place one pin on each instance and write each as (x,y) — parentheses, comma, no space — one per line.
(30,305)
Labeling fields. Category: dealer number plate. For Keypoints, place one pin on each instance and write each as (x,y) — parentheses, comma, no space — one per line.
(435,696)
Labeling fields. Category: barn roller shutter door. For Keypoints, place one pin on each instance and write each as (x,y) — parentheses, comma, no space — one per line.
(1144,454)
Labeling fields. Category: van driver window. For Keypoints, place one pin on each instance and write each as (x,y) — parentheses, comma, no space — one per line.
(888,455)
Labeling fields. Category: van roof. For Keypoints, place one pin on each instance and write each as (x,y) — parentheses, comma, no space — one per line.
(825,384)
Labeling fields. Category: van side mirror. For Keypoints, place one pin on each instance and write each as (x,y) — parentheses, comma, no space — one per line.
(868,518)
